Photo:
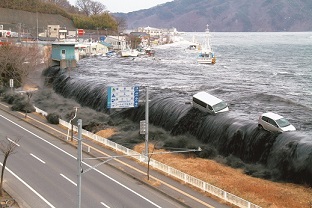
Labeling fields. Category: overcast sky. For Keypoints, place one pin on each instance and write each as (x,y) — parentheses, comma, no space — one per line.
(127,5)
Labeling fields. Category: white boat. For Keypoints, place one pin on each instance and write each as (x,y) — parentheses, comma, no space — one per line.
(194,45)
(128,52)
(206,55)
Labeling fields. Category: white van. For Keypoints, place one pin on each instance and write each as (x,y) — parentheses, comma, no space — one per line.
(209,103)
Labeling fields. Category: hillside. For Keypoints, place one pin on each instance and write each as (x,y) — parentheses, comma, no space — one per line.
(226,16)
(10,18)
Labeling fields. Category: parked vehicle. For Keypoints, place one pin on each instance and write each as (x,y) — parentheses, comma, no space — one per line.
(274,123)
(209,103)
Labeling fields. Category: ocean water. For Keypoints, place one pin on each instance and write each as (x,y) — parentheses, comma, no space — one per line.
(254,73)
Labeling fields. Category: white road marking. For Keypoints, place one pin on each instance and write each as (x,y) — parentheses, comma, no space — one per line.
(68,179)
(37,158)
(104,205)
(13,142)
(28,186)
(60,149)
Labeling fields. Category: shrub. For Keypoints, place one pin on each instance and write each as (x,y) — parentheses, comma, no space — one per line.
(23,106)
(9,98)
(207,152)
(175,143)
(53,118)
(19,103)
(2,89)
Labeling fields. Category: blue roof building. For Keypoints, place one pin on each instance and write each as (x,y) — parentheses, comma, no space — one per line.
(63,54)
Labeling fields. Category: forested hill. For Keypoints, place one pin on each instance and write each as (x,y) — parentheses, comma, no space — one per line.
(226,15)
(30,14)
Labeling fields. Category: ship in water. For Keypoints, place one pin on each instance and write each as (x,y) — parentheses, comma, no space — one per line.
(206,55)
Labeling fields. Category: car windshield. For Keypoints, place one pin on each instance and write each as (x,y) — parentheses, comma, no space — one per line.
(282,122)
(219,106)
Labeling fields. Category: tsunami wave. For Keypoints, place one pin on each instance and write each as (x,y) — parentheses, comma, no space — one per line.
(287,156)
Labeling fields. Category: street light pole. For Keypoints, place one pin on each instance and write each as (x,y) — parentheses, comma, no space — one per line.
(146,123)
(72,126)
(79,159)
(79,156)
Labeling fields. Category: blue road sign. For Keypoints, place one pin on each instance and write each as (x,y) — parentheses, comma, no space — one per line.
(122,97)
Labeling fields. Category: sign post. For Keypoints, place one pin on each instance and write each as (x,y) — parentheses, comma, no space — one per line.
(11,84)
(80,32)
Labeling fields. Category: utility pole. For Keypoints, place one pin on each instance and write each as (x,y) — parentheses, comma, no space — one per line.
(19,32)
(37,27)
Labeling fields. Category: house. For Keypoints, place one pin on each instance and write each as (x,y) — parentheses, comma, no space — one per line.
(104,47)
(62,33)
(58,32)
(151,31)
(53,31)
(159,36)
(63,54)
(145,38)
(117,42)
(89,49)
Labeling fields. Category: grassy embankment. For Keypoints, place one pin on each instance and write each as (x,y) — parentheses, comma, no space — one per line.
(258,191)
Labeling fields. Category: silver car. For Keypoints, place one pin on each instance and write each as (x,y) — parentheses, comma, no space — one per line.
(274,123)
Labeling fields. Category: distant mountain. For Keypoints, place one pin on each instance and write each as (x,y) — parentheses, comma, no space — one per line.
(226,15)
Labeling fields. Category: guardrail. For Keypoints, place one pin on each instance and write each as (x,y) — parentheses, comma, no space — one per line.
(188,179)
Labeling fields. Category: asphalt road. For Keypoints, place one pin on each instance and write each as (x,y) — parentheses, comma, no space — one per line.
(48,168)
(43,173)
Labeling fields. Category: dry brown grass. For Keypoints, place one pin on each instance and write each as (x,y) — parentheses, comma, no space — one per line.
(106,133)
(10,201)
(261,192)
(30,87)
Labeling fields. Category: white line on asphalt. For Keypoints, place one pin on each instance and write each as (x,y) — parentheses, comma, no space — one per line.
(112,179)
(104,205)
(13,142)
(28,186)
(68,179)
(37,158)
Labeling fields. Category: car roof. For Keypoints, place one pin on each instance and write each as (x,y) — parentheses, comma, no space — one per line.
(272,115)
(207,98)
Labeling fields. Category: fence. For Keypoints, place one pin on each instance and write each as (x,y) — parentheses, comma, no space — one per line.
(188,179)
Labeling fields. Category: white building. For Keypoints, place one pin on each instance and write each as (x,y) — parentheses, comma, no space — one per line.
(151,31)
(4,33)
(118,42)
(56,31)
(158,32)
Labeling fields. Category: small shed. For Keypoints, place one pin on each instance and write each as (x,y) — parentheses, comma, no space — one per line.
(63,54)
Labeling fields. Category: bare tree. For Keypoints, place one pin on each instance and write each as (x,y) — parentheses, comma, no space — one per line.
(89,7)
(121,24)
(7,147)
(17,62)
(29,95)
(97,8)
(60,3)
(149,158)
(84,6)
